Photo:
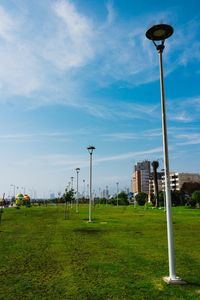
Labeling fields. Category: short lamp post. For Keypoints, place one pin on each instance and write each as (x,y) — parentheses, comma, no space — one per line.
(77,195)
(117,183)
(13,190)
(72,179)
(159,33)
(90,150)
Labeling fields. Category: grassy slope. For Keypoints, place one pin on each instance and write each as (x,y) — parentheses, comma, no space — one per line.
(121,255)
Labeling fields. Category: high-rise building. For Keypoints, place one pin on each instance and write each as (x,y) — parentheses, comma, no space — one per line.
(140,178)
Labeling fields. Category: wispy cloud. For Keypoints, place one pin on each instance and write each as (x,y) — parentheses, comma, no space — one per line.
(38,136)
(189,138)
(71,161)
(123,110)
(7,25)
(72,51)
(129,155)
(184,110)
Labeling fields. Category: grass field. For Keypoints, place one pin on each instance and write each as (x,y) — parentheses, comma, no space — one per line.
(121,255)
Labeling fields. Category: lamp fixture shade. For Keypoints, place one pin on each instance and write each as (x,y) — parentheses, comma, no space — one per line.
(159,32)
(90,149)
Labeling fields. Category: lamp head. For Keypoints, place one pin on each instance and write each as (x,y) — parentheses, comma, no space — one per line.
(77,170)
(159,32)
(90,149)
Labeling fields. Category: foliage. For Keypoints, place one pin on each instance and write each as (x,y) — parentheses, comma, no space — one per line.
(68,196)
(103,201)
(196,196)
(161,198)
(141,198)
(191,202)
(190,187)
(122,199)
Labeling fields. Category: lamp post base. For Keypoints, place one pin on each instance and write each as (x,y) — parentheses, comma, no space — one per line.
(176,280)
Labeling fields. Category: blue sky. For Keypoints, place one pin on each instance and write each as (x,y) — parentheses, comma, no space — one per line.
(75,73)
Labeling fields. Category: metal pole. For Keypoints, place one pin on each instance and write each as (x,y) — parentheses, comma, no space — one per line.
(77,193)
(90,200)
(84,188)
(171,256)
(117,193)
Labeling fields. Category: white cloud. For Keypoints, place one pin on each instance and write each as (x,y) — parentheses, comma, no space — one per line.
(184,110)
(69,52)
(129,155)
(111,13)
(189,138)
(71,44)
(6,25)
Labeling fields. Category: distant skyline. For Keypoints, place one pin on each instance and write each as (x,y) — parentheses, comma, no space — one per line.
(76,73)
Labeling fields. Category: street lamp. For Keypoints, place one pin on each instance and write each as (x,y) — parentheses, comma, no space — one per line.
(13,189)
(23,188)
(160,33)
(77,172)
(72,178)
(84,188)
(90,150)
(117,183)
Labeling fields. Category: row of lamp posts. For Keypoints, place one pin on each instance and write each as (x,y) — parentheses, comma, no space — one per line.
(157,33)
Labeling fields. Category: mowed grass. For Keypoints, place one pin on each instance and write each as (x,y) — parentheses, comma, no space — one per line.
(122,254)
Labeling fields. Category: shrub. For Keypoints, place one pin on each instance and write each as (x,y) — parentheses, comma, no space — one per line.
(196,197)
(141,198)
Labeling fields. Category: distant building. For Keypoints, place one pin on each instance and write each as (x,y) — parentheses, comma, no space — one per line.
(178,179)
(140,178)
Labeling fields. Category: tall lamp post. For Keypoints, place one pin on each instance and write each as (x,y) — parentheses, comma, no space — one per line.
(90,150)
(77,195)
(159,33)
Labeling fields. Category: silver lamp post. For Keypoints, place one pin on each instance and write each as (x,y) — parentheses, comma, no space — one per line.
(77,195)
(72,178)
(160,33)
(84,188)
(117,183)
(90,150)
(13,190)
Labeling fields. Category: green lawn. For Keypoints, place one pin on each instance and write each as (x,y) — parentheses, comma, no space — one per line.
(121,255)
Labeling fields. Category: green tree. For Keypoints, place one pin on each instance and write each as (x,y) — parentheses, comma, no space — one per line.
(190,187)
(196,197)
(122,199)
(68,196)
(141,198)
(161,198)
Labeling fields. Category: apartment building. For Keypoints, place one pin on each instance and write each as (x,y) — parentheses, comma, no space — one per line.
(178,179)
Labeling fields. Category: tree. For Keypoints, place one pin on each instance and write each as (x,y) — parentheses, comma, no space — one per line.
(122,199)
(190,187)
(176,198)
(141,198)
(161,198)
(68,196)
(196,197)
